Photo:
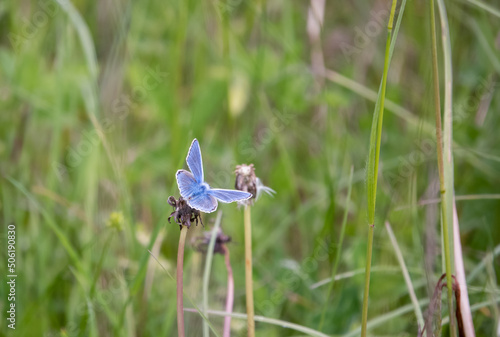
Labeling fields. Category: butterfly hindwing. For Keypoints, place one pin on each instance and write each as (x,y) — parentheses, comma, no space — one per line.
(195,162)
(203,202)
(229,195)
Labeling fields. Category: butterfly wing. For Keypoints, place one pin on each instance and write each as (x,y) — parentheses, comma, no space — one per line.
(203,202)
(192,191)
(190,185)
(187,184)
(229,195)
(194,161)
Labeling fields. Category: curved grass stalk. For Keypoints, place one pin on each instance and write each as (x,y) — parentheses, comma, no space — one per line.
(382,319)
(490,9)
(406,275)
(283,324)
(359,271)
(482,264)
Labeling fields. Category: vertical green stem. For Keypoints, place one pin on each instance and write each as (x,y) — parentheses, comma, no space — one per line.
(364,318)
(442,187)
(372,187)
(180,264)
(248,273)
(382,101)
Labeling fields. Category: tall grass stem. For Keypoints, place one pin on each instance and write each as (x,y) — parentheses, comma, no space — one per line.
(445,167)
(372,168)
(248,273)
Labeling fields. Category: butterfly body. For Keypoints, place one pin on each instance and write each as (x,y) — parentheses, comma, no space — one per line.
(196,191)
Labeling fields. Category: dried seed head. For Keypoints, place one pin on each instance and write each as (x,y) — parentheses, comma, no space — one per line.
(183,214)
(171,201)
(201,242)
(246,180)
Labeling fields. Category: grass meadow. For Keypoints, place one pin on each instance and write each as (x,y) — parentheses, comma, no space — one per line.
(100,101)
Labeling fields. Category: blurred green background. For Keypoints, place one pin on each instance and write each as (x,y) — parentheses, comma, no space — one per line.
(100,101)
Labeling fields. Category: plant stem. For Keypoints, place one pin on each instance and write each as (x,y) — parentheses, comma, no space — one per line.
(248,272)
(206,273)
(465,311)
(372,181)
(230,293)
(442,187)
(364,318)
(339,249)
(382,101)
(180,263)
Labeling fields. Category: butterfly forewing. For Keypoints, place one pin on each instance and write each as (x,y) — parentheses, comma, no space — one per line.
(194,161)
(186,183)
(229,195)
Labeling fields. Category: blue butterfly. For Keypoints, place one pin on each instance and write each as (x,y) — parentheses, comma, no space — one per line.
(196,191)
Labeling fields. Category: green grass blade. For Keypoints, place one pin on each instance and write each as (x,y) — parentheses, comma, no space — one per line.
(84,35)
(490,9)
(373,160)
(379,106)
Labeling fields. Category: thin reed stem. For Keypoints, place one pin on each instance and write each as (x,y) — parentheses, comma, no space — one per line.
(248,273)
(180,264)
(369,248)
(439,148)
(230,293)
(372,170)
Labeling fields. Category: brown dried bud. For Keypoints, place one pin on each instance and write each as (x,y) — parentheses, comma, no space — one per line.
(246,180)
(183,214)
(201,242)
